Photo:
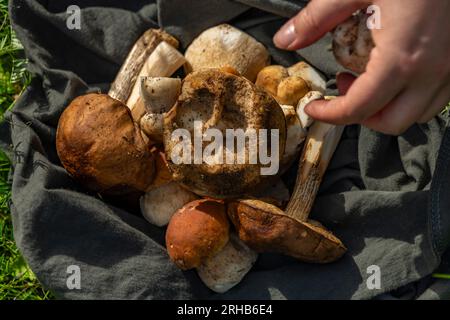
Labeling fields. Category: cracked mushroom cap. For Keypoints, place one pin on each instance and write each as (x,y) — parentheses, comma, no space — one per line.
(196,232)
(221,101)
(101,147)
(265,228)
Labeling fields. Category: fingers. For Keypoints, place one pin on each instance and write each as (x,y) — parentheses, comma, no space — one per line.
(344,82)
(315,20)
(367,95)
(402,112)
(438,103)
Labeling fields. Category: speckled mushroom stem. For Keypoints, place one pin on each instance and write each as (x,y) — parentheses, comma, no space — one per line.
(319,147)
(125,80)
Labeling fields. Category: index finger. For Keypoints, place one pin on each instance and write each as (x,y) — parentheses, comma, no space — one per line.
(368,94)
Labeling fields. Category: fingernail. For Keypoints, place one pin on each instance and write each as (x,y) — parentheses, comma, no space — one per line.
(285,36)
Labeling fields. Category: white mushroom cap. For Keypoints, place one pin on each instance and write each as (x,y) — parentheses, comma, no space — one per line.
(158,205)
(159,93)
(226,269)
(224,45)
(305,120)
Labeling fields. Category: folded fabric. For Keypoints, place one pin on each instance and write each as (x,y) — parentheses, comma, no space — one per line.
(384,196)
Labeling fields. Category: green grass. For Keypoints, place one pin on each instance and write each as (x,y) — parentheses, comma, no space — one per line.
(17,281)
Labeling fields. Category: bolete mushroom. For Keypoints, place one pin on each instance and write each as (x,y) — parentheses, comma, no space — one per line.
(352,43)
(221,101)
(101,147)
(266,228)
(198,236)
(97,140)
(305,120)
(227,268)
(295,136)
(197,231)
(224,45)
(164,196)
(159,94)
(289,85)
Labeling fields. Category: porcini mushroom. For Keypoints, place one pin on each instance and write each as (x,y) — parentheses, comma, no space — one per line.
(289,85)
(312,77)
(295,136)
(158,95)
(196,232)
(164,196)
(352,43)
(224,45)
(162,63)
(160,204)
(97,141)
(198,237)
(220,100)
(266,228)
(305,120)
(101,147)
(227,268)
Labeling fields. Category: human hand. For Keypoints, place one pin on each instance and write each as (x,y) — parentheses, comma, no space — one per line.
(407,78)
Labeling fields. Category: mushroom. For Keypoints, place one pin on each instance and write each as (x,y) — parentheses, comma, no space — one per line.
(162,63)
(305,71)
(198,237)
(197,231)
(158,94)
(227,268)
(164,196)
(159,204)
(352,43)
(220,100)
(224,45)
(295,136)
(305,120)
(266,228)
(289,85)
(97,141)
(101,147)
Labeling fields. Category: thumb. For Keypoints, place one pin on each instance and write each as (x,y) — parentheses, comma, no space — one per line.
(314,21)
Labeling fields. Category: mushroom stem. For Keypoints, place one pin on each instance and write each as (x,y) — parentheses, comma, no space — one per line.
(319,147)
(163,62)
(122,86)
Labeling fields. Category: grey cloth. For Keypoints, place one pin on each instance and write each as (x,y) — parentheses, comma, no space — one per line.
(385,197)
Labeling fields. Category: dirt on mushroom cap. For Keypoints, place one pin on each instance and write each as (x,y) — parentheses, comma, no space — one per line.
(101,147)
(235,103)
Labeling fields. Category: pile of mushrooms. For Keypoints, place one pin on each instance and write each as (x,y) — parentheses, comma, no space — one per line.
(219,216)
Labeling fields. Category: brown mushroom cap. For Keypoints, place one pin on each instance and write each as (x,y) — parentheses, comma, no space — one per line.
(221,101)
(291,90)
(265,228)
(270,77)
(196,232)
(100,146)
